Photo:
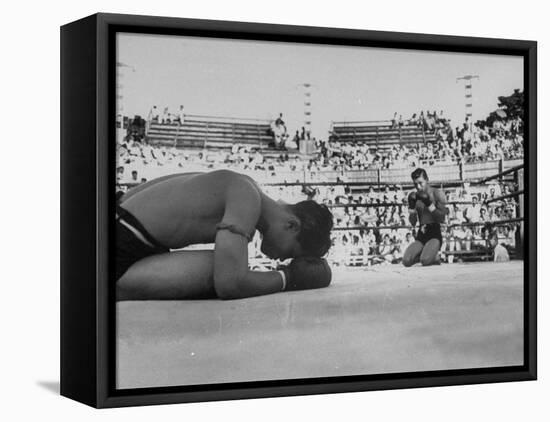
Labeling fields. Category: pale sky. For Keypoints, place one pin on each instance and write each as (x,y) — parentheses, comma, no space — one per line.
(259,79)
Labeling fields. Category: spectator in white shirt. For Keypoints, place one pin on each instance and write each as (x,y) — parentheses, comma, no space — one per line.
(165,115)
(181,115)
(500,253)
(154,114)
(472,213)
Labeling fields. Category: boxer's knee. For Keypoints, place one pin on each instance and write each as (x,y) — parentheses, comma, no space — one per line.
(430,252)
(408,260)
(427,260)
(412,253)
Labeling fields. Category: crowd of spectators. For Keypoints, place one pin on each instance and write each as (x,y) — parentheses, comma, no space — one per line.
(166,117)
(470,142)
(155,161)
(372,227)
(382,215)
(383,231)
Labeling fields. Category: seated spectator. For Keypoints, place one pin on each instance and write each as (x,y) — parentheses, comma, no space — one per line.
(483,217)
(468,237)
(386,249)
(356,248)
(166,116)
(472,213)
(500,253)
(279,132)
(409,238)
(119,174)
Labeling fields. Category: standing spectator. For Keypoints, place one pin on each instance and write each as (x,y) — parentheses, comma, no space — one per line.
(181,115)
(279,121)
(394,121)
(296,140)
(154,115)
(386,249)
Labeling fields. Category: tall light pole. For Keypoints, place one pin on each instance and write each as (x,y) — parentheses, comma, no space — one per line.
(119,118)
(308,118)
(468,95)
(120,75)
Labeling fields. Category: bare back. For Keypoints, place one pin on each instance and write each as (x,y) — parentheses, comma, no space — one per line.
(183,209)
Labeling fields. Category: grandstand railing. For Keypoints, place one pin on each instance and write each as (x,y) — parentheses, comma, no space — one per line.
(444,172)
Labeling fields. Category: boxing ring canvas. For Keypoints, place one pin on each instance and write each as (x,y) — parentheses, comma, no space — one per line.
(253,210)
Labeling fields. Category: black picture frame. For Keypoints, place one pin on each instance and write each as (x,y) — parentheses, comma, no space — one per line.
(87,207)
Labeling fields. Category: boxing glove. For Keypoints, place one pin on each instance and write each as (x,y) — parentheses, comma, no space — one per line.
(425,198)
(412,201)
(306,273)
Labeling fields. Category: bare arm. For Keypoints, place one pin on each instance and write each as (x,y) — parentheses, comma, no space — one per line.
(232,278)
(441,210)
(413,217)
(413,213)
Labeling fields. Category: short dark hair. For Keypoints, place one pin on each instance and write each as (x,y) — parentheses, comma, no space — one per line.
(419,172)
(316,225)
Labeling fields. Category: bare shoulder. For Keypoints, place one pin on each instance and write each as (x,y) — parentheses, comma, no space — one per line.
(242,201)
(229,174)
(233,179)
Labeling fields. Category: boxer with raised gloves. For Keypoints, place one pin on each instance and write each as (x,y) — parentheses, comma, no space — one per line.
(426,200)
(427,206)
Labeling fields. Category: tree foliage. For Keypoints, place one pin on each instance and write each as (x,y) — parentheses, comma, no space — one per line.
(512,106)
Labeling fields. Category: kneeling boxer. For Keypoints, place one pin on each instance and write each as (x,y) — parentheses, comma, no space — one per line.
(426,206)
(224,208)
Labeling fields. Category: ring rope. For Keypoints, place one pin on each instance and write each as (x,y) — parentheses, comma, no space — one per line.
(484,223)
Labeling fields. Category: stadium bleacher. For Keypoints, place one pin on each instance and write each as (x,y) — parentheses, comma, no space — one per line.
(380,135)
(201,132)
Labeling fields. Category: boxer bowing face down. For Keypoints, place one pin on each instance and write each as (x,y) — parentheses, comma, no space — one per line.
(294,230)
(280,241)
